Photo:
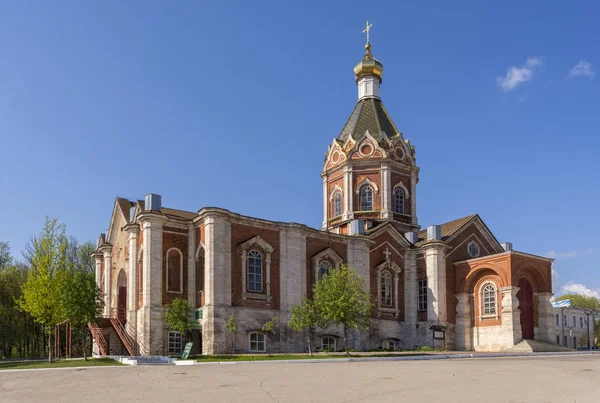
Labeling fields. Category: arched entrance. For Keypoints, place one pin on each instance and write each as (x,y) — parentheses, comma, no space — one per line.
(525,297)
(122,296)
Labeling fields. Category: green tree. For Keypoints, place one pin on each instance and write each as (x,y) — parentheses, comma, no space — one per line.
(341,297)
(5,256)
(231,326)
(82,301)
(41,293)
(586,302)
(305,317)
(178,316)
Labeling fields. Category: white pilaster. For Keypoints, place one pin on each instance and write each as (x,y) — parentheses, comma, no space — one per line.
(511,315)
(348,195)
(132,291)
(325,203)
(107,254)
(191,274)
(386,191)
(98,268)
(546,330)
(435,263)
(462,330)
(413,196)
(217,281)
(358,258)
(410,293)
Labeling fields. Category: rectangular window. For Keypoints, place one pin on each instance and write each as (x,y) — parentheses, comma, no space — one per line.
(558,340)
(564,320)
(565,340)
(557,320)
(581,322)
(422,293)
(175,343)
(258,342)
(574,322)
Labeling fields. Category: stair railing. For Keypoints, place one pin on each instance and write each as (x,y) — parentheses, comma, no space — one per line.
(98,338)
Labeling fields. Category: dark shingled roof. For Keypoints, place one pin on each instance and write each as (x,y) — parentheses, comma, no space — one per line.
(448,229)
(369,114)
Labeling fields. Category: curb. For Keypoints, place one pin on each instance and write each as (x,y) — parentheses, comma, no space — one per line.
(400,358)
(3,371)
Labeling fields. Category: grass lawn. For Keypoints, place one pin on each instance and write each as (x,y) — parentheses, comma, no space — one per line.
(271,357)
(91,362)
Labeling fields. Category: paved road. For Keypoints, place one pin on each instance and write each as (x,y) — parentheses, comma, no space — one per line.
(524,379)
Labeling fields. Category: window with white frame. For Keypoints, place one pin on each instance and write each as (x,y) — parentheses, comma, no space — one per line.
(324,268)
(581,322)
(489,299)
(399,200)
(422,295)
(473,249)
(337,204)
(258,342)
(385,294)
(389,345)
(174,266)
(328,343)
(175,343)
(255,271)
(366,198)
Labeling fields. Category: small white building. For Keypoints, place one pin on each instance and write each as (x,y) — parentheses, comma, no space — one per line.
(574,325)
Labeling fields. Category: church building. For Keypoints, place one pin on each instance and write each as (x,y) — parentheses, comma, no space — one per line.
(449,284)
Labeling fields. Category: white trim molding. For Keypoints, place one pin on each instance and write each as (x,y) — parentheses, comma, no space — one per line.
(369,182)
(391,266)
(326,253)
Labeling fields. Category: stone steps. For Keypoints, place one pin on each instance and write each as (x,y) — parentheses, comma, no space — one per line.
(535,346)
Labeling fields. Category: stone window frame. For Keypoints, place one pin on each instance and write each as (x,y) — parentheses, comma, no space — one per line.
(391,267)
(385,291)
(256,242)
(481,295)
(475,253)
(323,348)
(180,270)
(324,264)
(422,287)
(257,341)
(325,254)
(256,257)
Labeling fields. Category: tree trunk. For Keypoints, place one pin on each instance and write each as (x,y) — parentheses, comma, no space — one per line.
(309,344)
(49,347)
(346,340)
(83,344)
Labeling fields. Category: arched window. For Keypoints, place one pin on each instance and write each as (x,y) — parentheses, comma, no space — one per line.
(337,204)
(328,343)
(324,267)
(489,299)
(389,345)
(366,198)
(386,288)
(258,342)
(399,200)
(174,271)
(255,271)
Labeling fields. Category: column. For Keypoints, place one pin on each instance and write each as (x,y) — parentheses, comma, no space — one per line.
(132,290)
(386,191)
(325,203)
(511,316)
(546,329)
(348,195)
(358,258)
(292,281)
(462,329)
(191,274)
(435,263)
(98,266)
(410,294)
(152,225)
(107,254)
(413,195)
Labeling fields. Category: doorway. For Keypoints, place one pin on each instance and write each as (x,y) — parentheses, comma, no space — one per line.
(525,297)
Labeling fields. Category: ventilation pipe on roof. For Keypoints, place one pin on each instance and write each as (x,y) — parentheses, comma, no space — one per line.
(153,202)
(413,236)
(507,246)
(434,232)
(132,214)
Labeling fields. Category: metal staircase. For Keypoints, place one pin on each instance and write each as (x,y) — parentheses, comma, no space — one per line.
(98,338)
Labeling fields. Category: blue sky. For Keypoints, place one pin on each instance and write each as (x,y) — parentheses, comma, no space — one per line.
(233,104)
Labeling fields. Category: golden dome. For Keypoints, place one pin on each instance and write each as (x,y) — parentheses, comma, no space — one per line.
(368,65)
